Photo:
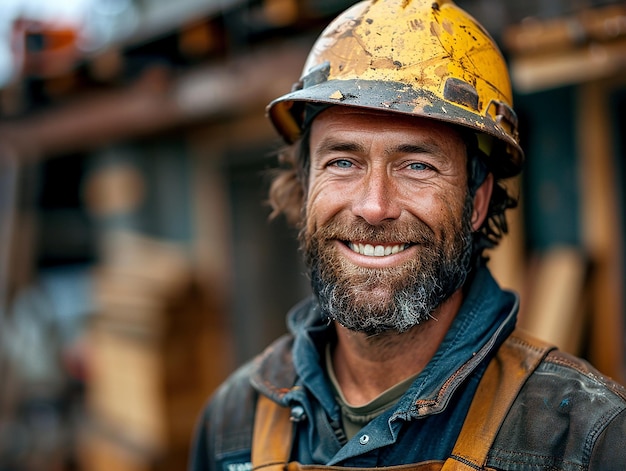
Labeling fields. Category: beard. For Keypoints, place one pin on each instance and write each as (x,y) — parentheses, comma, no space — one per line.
(392,299)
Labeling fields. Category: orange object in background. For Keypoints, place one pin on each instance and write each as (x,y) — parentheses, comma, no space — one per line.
(45,49)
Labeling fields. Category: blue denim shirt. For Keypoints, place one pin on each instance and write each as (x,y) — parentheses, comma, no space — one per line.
(422,415)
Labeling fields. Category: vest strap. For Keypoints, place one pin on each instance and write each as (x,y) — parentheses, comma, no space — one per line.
(272,435)
(506,373)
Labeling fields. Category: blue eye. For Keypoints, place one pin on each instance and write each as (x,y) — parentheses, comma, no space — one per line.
(342,163)
(419,166)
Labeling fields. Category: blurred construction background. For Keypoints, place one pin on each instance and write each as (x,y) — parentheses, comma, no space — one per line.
(137,266)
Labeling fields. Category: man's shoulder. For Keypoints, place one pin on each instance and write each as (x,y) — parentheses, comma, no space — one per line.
(572,385)
(223,436)
(572,368)
(567,416)
(225,426)
(561,373)
(231,407)
(243,385)
(267,374)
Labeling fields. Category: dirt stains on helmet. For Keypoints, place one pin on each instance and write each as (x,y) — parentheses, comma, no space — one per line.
(417,24)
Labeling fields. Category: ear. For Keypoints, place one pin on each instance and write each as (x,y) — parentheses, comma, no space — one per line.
(481,202)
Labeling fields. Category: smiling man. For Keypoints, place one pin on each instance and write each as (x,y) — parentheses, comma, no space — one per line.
(401,132)
(389,220)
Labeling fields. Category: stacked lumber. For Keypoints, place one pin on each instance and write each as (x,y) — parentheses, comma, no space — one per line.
(157,350)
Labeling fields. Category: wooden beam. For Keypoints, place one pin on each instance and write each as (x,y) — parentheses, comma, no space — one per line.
(554,309)
(533,73)
(536,36)
(602,239)
(568,50)
(156,103)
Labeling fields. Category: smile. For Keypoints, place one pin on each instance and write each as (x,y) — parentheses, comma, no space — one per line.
(370,250)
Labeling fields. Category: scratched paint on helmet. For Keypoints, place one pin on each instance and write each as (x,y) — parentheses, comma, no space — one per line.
(384,48)
(407,52)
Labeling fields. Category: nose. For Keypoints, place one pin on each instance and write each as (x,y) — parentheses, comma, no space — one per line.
(377,199)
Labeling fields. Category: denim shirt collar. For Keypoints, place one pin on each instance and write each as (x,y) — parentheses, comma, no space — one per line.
(291,372)
(486,318)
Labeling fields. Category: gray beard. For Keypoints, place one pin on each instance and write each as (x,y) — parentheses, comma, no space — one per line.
(347,294)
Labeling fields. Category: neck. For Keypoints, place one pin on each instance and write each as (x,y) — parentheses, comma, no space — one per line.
(366,366)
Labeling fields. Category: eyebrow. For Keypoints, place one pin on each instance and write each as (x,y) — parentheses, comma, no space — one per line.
(332,145)
(427,147)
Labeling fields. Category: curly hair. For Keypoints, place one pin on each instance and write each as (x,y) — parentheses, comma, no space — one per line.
(290,185)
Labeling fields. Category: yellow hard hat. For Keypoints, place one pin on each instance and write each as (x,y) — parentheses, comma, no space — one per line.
(417,57)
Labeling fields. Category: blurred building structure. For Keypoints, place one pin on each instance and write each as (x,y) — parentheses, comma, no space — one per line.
(138,266)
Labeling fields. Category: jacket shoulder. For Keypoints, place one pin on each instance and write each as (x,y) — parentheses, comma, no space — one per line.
(225,426)
(568,416)
(223,436)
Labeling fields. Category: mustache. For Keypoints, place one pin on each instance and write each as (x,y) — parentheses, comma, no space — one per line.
(346,229)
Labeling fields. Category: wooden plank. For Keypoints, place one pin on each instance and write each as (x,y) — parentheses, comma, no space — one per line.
(154,322)
(554,307)
(577,65)
(536,36)
(126,390)
(603,241)
(101,450)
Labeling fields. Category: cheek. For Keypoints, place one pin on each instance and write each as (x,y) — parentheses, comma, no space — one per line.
(452,204)
(322,204)
(441,211)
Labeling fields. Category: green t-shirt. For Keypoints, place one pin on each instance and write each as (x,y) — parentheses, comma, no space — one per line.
(355,418)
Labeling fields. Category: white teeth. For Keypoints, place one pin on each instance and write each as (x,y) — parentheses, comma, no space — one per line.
(377,251)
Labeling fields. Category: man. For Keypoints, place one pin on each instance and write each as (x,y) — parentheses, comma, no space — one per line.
(402,131)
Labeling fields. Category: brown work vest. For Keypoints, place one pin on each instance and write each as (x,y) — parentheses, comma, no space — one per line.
(515,361)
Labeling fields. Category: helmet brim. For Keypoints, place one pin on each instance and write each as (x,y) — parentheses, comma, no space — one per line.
(289,114)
